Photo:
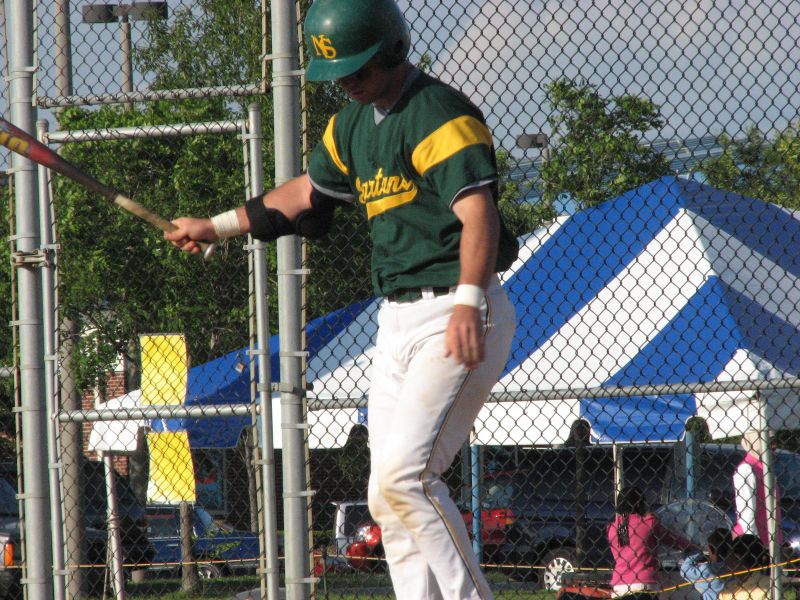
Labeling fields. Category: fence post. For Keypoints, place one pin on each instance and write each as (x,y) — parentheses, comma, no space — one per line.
(770,487)
(286,94)
(38,574)
(269,520)
(49,316)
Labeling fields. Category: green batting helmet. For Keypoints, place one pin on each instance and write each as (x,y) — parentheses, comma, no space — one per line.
(342,35)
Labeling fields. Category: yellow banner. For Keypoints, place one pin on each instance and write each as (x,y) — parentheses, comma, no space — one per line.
(165,372)
(171,469)
(165,369)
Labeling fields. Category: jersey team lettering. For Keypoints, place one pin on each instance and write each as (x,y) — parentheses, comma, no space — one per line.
(383,193)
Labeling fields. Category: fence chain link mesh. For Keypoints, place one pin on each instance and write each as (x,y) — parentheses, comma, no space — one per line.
(648,160)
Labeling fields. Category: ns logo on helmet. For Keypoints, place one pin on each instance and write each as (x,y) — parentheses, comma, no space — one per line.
(323,46)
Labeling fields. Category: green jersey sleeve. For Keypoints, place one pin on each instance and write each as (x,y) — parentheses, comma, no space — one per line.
(326,167)
(456,153)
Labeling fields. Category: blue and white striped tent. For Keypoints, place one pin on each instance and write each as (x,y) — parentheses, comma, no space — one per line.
(674,282)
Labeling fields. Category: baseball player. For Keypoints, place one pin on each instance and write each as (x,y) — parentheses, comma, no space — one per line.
(416,155)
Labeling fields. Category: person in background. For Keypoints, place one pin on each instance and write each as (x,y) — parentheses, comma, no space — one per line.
(749,491)
(703,570)
(634,536)
(747,559)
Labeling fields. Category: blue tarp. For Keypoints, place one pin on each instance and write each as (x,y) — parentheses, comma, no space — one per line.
(226,380)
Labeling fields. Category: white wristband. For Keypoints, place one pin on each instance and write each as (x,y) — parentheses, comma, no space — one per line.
(226,224)
(470,295)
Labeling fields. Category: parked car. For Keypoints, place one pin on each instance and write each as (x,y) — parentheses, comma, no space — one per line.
(348,517)
(549,514)
(557,529)
(11,550)
(219,548)
(347,547)
(358,537)
(136,548)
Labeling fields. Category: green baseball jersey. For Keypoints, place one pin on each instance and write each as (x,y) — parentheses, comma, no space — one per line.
(405,170)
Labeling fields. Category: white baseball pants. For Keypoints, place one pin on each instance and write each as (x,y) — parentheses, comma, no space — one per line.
(422,407)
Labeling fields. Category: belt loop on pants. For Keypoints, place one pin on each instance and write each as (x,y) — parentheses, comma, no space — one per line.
(413,294)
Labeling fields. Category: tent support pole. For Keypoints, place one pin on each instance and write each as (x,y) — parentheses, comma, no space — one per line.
(114,542)
(772,501)
(475,498)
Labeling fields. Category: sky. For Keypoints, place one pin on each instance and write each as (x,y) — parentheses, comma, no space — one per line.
(96,55)
(711,66)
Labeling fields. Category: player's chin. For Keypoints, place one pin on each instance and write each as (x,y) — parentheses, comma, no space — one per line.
(359,95)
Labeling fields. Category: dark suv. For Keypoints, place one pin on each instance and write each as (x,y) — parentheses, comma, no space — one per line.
(562,505)
(10,548)
(136,548)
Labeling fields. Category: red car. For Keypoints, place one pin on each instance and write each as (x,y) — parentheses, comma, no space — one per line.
(365,553)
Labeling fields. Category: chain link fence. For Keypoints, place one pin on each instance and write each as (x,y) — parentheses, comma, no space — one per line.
(648,154)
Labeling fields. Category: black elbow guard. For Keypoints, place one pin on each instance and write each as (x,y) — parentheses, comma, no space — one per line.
(316,222)
(266,224)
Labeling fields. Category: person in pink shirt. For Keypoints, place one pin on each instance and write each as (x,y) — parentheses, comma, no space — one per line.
(634,536)
(750,492)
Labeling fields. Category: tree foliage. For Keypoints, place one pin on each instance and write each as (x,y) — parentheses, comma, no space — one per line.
(210,43)
(759,167)
(118,277)
(7,350)
(519,215)
(596,151)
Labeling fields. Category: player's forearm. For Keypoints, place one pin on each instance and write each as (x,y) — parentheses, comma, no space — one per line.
(268,216)
(479,237)
(290,198)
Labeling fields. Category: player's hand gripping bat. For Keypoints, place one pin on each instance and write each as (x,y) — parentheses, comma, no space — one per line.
(20,142)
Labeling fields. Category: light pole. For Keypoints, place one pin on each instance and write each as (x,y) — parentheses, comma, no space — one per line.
(536,140)
(125,13)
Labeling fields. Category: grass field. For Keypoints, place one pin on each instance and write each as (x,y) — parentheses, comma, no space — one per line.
(360,586)
(333,587)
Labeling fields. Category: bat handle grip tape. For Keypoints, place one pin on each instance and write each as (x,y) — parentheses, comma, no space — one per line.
(157,221)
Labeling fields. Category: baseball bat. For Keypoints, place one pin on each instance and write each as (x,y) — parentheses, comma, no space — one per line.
(20,142)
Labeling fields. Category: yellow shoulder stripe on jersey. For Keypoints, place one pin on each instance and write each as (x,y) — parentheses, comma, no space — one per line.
(450,138)
(377,207)
(330,146)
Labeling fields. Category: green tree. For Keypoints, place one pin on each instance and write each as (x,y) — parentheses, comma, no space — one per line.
(210,43)
(118,277)
(759,167)
(596,150)
(7,350)
(519,215)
